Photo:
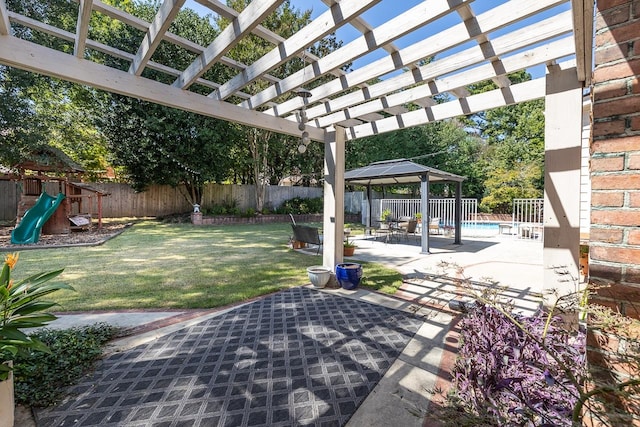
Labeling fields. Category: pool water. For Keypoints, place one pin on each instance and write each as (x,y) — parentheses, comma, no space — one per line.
(493,226)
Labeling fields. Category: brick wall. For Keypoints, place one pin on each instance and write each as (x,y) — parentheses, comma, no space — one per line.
(615,156)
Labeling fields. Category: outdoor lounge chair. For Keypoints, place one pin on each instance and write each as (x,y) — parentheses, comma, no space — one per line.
(307,234)
(434,225)
(408,227)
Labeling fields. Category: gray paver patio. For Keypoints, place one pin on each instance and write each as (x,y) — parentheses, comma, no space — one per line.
(298,357)
(400,398)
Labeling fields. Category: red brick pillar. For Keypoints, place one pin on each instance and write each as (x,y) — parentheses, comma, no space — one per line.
(615,156)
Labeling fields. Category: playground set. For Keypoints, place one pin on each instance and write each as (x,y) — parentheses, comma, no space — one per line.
(52,198)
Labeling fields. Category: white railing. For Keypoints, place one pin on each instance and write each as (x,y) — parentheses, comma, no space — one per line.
(527,211)
(441,208)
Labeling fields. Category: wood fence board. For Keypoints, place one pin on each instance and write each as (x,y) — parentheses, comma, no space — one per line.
(161,200)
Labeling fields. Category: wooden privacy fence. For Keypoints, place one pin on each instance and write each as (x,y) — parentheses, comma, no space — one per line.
(8,200)
(160,200)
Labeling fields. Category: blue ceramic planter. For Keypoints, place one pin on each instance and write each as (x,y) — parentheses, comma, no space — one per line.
(349,275)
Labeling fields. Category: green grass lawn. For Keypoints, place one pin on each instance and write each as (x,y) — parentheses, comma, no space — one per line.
(156,265)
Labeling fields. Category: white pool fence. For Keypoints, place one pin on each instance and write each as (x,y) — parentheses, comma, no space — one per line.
(527,214)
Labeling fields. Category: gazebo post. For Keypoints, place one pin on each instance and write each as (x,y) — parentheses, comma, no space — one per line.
(424,195)
(368,225)
(458,214)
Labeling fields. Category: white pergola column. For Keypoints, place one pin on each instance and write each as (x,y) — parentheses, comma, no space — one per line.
(333,227)
(563,132)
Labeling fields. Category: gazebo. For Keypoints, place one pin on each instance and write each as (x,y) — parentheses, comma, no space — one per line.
(403,171)
(413,67)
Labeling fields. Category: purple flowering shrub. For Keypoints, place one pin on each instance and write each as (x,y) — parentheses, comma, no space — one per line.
(518,375)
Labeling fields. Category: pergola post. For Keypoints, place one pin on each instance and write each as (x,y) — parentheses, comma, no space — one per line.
(563,132)
(424,195)
(333,224)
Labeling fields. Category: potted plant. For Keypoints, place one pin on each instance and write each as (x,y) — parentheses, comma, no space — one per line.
(348,248)
(348,275)
(584,260)
(319,275)
(384,217)
(20,308)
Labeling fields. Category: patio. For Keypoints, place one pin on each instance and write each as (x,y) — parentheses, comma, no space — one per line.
(315,357)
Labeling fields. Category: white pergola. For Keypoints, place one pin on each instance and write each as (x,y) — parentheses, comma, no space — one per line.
(504,37)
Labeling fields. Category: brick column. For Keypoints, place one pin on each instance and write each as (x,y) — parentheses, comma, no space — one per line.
(615,156)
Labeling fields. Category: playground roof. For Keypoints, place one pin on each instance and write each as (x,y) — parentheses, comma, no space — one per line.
(49,159)
(415,50)
(399,171)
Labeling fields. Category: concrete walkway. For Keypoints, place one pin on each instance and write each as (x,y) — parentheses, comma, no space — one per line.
(400,397)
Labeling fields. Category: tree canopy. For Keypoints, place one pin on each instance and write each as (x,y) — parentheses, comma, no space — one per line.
(500,152)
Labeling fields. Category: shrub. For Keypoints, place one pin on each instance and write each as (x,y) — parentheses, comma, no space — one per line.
(518,374)
(41,377)
(229,206)
(298,205)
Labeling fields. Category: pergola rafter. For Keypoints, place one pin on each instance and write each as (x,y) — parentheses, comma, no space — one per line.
(495,19)
(549,28)
(395,28)
(268,35)
(230,36)
(166,14)
(513,94)
(4,19)
(82,28)
(453,83)
(338,15)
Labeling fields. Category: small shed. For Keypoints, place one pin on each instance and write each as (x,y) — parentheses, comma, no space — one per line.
(403,171)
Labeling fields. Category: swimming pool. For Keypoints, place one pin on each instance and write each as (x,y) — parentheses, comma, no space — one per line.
(482,225)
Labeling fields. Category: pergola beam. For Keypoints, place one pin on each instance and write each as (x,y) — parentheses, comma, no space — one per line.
(393,29)
(82,27)
(583,23)
(109,50)
(338,15)
(29,56)
(161,22)
(5,27)
(491,20)
(251,16)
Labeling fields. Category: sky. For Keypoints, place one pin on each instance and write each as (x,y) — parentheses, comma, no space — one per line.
(387,9)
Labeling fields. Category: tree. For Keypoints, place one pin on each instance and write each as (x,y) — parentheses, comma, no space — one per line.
(20,128)
(273,157)
(157,144)
(515,154)
(444,145)
(39,110)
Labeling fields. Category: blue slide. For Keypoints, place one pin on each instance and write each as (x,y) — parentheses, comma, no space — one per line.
(28,231)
